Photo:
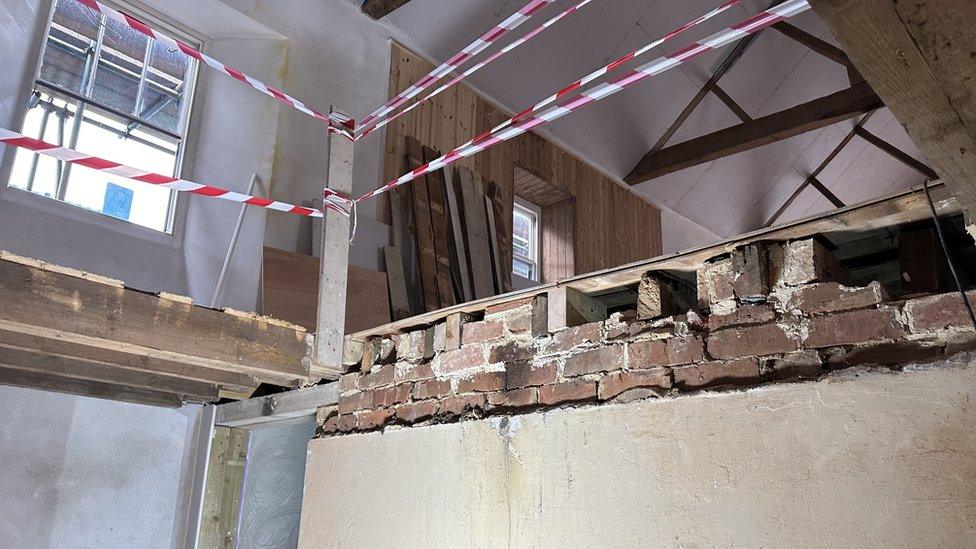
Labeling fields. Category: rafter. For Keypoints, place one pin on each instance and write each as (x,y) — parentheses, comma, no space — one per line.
(809,116)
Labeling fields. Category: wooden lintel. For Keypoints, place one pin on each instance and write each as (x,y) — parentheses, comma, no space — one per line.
(918,56)
(749,135)
(94,389)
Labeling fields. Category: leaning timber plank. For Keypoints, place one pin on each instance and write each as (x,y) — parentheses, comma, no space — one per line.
(816,114)
(399,302)
(438,223)
(256,345)
(472,194)
(29,360)
(94,389)
(902,207)
(919,57)
(504,236)
(140,361)
(286,405)
(459,256)
(425,235)
(402,217)
(494,245)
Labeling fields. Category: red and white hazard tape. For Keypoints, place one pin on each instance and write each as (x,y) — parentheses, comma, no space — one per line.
(69,155)
(517,127)
(337,123)
(535,32)
(445,68)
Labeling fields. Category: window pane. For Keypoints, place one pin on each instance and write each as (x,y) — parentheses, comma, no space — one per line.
(89,188)
(44,168)
(120,67)
(523,269)
(73,31)
(522,225)
(164,88)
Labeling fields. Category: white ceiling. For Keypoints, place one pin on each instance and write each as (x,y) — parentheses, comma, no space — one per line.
(728,196)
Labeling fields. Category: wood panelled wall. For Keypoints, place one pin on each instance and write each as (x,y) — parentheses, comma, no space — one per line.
(612,226)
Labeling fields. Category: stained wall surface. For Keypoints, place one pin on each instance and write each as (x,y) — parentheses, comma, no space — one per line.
(870,459)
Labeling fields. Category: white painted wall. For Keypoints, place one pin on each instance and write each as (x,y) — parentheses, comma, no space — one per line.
(879,460)
(84,472)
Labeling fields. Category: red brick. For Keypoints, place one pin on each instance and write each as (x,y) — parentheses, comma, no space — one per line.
(940,312)
(349,382)
(603,359)
(618,382)
(744,314)
(388,396)
(802,364)
(520,321)
(672,351)
(569,391)
(331,425)
(895,353)
(379,376)
(417,345)
(805,261)
(574,337)
(346,423)
(525,374)
(717,373)
(763,339)
(830,297)
(516,398)
(406,371)
(468,357)
(479,332)
(355,401)
(508,306)
(457,405)
(413,412)
(372,419)
(482,382)
(848,328)
(750,272)
(511,351)
(432,388)
(715,282)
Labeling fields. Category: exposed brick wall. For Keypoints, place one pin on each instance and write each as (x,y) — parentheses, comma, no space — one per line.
(767,314)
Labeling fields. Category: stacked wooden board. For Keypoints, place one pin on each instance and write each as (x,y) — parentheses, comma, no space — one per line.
(449,238)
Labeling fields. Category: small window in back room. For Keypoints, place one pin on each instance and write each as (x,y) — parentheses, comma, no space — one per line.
(104,89)
(525,240)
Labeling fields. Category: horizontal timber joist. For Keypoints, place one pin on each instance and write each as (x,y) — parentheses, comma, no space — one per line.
(920,56)
(381,8)
(90,335)
(751,134)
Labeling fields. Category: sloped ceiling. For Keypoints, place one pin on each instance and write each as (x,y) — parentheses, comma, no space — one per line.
(727,196)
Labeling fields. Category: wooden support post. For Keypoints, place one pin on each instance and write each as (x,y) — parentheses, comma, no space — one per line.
(333,268)
(568,307)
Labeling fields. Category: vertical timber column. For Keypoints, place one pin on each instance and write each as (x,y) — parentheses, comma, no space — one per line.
(333,266)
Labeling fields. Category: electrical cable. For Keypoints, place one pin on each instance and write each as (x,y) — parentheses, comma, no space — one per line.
(945,249)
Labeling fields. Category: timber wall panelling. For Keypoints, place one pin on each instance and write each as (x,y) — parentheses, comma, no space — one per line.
(611,226)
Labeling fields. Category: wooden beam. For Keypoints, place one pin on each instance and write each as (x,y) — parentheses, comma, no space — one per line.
(281,406)
(816,114)
(918,56)
(334,273)
(381,8)
(896,153)
(94,389)
(729,102)
(827,193)
(128,321)
(822,47)
(29,360)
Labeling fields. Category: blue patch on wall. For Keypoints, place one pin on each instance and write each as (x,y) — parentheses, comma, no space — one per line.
(118,201)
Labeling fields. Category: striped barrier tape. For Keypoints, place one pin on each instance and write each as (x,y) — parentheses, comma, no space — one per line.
(667,62)
(535,32)
(65,154)
(337,123)
(509,24)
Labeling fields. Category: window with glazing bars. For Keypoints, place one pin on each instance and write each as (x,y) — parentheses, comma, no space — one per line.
(525,240)
(104,89)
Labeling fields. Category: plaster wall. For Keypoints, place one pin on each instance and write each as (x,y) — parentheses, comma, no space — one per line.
(83,472)
(866,460)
